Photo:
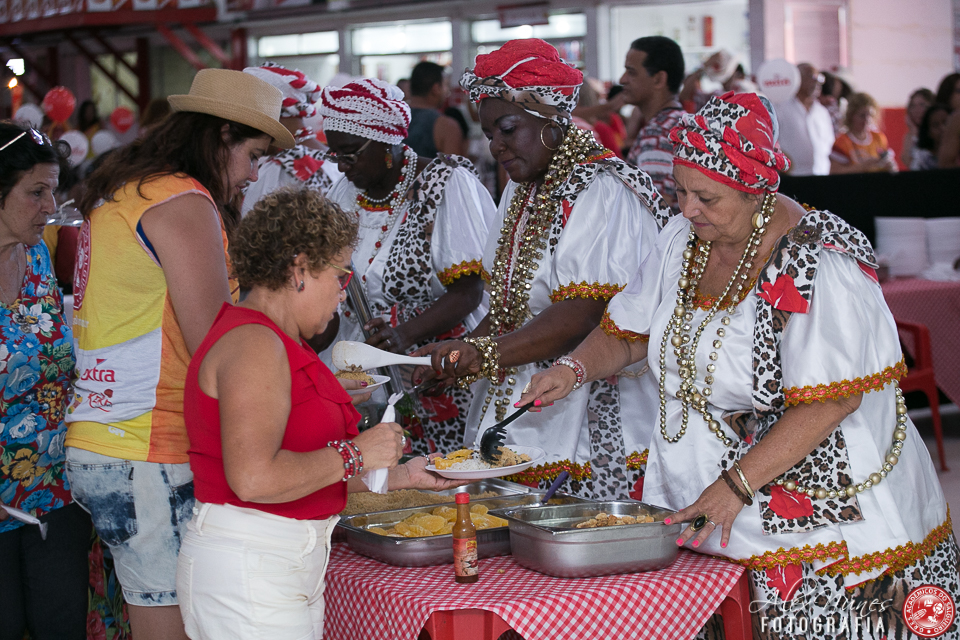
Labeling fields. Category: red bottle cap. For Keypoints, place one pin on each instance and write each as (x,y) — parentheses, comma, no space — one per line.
(463,498)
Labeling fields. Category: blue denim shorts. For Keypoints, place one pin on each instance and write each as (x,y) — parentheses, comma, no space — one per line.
(140,511)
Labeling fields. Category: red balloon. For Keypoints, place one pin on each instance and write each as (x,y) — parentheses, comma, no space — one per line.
(122,119)
(59,104)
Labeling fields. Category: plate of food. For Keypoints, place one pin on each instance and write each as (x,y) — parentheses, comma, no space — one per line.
(354,373)
(465,464)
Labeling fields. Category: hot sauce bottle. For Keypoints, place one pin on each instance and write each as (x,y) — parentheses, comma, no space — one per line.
(466,565)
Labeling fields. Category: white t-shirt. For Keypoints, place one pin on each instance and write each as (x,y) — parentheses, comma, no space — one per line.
(806,137)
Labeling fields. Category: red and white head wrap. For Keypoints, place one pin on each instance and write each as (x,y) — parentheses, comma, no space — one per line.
(368,108)
(300,93)
(529,73)
(733,140)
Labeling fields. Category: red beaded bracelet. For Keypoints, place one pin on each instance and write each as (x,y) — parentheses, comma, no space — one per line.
(352,461)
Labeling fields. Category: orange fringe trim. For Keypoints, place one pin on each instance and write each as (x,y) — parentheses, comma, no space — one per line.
(636,460)
(465,268)
(611,329)
(845,388)
(551,470)
(894,559)
(596,291)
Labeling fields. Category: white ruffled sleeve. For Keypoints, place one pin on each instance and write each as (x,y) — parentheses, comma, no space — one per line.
(847,341)
(608,234)
(269,179)
(630,313)
(463,223)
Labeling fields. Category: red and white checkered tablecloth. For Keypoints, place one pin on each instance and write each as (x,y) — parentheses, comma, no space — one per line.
(936,305)
(370,600)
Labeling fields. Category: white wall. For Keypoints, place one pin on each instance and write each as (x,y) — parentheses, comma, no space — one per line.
(893,47)
(896,47)
(684,23)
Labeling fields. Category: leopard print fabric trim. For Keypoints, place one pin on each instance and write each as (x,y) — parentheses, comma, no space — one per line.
(406,286)
(634,179)
(797,257)
(305,164)
(409,268)
(552,103)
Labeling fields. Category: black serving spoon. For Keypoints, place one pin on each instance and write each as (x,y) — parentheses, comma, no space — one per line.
(492,439)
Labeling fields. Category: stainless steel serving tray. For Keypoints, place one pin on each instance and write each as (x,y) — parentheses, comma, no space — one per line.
(545,539)
(433,550)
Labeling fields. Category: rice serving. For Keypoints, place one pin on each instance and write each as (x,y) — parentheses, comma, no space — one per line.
(469,460)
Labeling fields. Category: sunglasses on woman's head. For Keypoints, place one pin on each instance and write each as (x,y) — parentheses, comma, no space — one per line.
(40,138)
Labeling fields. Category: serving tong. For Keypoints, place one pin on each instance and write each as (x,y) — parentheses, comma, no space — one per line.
(492,439)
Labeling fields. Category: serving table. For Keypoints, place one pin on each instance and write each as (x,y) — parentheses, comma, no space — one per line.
(368,599)
(936,305)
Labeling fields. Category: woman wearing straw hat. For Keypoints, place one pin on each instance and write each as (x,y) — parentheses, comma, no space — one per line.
(151,277)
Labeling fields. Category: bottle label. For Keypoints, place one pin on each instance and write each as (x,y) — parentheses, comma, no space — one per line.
(465,561)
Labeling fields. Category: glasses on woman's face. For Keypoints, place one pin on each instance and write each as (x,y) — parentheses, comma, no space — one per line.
(40,138)
(346,158)
(345,278)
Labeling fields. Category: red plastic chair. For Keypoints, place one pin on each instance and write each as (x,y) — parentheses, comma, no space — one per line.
(920,378)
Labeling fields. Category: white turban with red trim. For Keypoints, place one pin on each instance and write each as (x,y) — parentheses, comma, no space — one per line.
(300,93)
(368,108)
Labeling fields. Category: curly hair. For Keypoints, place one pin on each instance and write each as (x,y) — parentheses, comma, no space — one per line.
(859,101)
(283,224)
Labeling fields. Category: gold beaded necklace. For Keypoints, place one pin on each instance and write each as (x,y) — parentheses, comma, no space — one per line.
(510,292)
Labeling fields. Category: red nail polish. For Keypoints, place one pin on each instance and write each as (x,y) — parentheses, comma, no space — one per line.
(537,403)
(363,384)
(666,521)
(418,381)
(696,543)
(439,372)
(680,542)
(516,404)
(723,544)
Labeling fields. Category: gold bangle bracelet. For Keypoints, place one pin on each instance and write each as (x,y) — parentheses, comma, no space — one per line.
(743,479)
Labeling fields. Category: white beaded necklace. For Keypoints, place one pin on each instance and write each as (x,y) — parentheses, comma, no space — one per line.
(397,197)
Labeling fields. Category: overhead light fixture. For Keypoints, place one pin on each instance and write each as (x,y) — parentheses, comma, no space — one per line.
(12,83)
(16,65)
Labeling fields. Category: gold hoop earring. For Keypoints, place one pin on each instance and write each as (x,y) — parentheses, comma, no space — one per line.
(542,129)
(389,160)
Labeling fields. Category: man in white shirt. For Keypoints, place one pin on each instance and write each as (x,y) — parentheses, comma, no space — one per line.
(806,130)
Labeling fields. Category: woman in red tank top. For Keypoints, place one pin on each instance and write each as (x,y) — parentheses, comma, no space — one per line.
(274,446)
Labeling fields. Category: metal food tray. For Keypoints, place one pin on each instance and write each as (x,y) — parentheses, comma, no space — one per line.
(502,487)
(545,539)
(433,550)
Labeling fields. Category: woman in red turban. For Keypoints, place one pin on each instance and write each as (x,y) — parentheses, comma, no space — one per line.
(575,223)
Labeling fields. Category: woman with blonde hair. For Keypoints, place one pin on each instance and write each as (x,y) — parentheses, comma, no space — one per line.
(861,148)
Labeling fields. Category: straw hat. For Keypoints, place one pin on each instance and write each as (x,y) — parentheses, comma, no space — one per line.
(239,97)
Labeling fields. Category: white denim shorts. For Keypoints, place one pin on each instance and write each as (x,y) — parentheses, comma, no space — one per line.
(140,511)
(248,575)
